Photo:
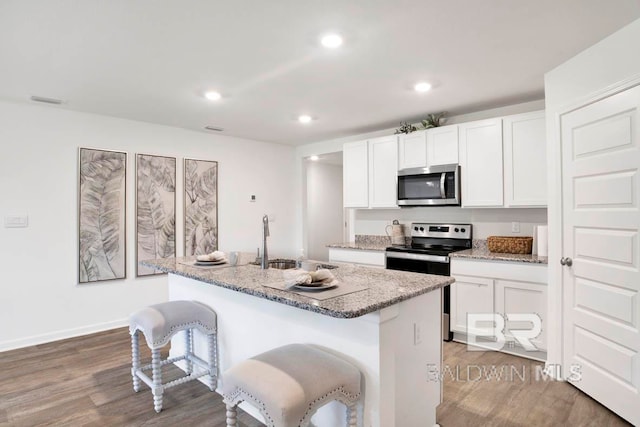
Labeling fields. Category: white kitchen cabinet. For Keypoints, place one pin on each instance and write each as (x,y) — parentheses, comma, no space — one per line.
(469,295)
(355,174)
(480,145)
(442,145)
(357,256)
(412,150)
(502,287)
(525,160)
(383,172)
(521,297)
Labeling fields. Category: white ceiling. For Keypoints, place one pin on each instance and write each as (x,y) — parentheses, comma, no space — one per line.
(150,60)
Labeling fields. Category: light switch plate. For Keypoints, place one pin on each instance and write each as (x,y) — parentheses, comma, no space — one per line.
(515,227)
(16,221)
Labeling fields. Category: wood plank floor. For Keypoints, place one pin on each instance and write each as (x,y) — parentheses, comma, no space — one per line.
(86,381)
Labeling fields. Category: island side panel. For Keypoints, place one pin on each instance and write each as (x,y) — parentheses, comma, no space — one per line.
(378,343)
(411,346)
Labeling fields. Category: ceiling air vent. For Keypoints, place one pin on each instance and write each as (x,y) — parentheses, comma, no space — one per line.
(46,100)
(214,128)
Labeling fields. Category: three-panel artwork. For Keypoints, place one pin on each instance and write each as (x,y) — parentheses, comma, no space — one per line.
(102,211)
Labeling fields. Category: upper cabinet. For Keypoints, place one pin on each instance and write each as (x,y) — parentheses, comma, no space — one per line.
(502,162)
(383,172)
(525,160)
(355,174)
(480,145)
(412,150)
(442,145)
(370,173)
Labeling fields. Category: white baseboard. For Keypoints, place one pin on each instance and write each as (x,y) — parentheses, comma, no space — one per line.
(61,335)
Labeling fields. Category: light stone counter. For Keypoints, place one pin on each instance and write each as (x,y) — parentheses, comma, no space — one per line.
(484,253)
(385,287)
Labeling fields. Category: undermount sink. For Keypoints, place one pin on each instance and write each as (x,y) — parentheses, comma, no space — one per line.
(282,264)
(287,264)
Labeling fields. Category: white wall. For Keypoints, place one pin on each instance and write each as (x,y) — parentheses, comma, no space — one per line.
(324,208)
(486,222)
(596,72)
(41,299)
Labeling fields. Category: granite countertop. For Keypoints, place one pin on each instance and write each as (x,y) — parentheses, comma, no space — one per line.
(362,246)
(484,253)
(385,287)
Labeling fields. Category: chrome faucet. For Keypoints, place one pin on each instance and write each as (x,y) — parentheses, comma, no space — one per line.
(264,262)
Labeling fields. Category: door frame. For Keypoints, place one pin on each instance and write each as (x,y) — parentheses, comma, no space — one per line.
(555,302)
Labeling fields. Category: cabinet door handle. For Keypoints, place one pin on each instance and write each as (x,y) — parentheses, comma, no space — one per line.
(566,261)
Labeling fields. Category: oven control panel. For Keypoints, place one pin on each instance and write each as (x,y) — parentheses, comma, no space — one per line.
(449,231)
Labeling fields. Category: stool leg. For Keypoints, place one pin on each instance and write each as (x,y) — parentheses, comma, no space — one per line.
(157,389)
(213,360)
(188,350)
(135,361)
(352,415)
(232,416)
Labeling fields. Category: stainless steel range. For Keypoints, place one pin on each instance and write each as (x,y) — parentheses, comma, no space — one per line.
(428,253)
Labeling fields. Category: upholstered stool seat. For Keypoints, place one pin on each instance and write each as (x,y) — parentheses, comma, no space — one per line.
(288,384)
(159,323)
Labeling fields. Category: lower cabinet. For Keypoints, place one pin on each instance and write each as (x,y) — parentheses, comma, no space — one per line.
(357,256)
(513,290)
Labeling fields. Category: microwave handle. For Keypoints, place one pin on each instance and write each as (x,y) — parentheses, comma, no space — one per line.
(443,191)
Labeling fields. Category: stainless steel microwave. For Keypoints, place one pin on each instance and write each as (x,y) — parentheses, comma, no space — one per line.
(437,185)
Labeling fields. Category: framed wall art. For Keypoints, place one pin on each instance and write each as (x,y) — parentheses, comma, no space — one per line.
(155,210)
(200,206)
(101,215)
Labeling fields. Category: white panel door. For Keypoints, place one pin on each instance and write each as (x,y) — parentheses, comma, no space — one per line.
(470,295)
(601,192)
(525,160)
(383,172)
(442,145)
(412,150)
(481,163)
(355,171)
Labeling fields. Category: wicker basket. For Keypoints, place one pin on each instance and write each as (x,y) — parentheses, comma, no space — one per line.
(510,245)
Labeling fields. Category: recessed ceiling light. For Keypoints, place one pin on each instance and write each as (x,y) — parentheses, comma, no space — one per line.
(331,41)
(212,95)
(314,158)
(304,119)
(422,87)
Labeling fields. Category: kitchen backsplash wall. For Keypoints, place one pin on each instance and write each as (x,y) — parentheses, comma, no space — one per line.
(486,222)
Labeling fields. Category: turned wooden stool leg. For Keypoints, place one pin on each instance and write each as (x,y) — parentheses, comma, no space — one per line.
(212,342)
(188,334)
(352,415)
(232,416)
(135,361)
(156,369)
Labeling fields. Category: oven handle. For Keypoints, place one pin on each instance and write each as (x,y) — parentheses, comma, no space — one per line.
(443,191)
(418,257)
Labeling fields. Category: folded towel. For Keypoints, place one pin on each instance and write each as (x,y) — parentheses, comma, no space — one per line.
(213,256)
(322,275)
(296,277)
(302,277)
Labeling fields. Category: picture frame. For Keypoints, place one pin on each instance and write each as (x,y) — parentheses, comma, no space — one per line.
(102,207)
(155,210)
(200,206)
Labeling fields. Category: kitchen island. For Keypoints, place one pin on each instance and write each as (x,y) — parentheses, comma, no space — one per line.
(390,329)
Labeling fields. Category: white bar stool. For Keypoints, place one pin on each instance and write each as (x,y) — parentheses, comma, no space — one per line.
(290,383)
(159,323)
